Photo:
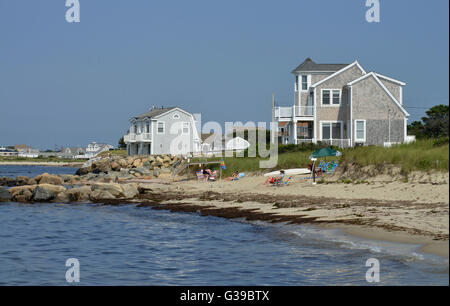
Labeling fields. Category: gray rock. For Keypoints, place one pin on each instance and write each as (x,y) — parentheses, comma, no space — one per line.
(142,171)
(156,172)
(42,195)
(5,196)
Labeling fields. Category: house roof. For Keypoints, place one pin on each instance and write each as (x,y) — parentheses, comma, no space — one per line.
(391,79)
(154,112)
(345,68)
(209,138)
(309,65)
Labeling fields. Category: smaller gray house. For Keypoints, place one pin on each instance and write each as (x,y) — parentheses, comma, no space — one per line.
(169,130)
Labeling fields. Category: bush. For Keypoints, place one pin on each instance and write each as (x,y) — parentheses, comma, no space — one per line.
(441,141)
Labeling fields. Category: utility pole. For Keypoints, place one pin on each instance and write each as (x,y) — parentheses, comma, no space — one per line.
(273,118)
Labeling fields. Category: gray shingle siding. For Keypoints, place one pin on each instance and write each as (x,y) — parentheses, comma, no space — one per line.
(371,103)
(333,113)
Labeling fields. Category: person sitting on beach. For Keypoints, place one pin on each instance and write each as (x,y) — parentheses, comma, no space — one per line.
(233,177)
(275,179)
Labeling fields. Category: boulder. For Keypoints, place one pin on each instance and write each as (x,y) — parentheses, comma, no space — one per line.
(63,197)
(22,195)
(98,195)
(20,189)
(42,195)
(115,166)
(130,190)
(156,172)
(122,162)
(145,189)
(5,196)
(142,171)
(83,171)
(112,188)
(80,194)
(55,189)
(137,163)
(49,179)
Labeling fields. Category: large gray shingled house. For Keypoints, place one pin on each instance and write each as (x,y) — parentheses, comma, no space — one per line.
(343,105)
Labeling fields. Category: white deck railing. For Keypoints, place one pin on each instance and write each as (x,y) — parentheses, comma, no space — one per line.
(294,111)
(132,137)
(342,143)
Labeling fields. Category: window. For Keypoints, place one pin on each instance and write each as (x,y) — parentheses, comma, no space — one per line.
(336,97)
(331,130)
(296,83)
(135,129)
(304,82)
(360,130)
(185,127)
(326,97)
(331,96)
(160,127)
(147,127)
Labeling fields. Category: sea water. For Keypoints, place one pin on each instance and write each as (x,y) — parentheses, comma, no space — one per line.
(129,245)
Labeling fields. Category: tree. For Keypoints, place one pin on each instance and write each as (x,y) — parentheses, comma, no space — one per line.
(122,144)
(434,125)
(416,128)
(437,123)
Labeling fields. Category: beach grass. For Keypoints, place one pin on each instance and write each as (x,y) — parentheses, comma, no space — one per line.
(422,155)
(113,152)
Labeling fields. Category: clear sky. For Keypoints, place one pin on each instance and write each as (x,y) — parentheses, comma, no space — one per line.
(67,84)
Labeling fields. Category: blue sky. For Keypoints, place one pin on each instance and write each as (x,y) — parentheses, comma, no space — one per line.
(68,84)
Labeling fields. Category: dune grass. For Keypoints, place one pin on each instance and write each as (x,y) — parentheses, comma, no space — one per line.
(422,155)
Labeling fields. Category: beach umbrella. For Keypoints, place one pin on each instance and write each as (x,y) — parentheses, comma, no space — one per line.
(325,152)
(322,153)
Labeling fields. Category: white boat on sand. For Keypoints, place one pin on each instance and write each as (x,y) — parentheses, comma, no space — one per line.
(298,171)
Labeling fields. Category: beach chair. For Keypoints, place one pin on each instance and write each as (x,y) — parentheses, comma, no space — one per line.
(200,175)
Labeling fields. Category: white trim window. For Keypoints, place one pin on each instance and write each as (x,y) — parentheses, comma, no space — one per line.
(331,97)
(330,130)
(161,127)
(147,127)
(296,82)
(304,82)
(360,130)
(185,128)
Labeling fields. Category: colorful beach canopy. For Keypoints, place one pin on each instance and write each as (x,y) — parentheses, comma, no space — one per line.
(325,152)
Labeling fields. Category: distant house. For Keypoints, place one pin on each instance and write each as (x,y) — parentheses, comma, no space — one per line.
(95,148)
(26,151)
(7,152)
(342,105)
(163,131)
(216,143)
(73,153)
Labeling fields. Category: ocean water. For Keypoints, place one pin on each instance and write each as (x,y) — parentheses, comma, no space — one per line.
(129,245)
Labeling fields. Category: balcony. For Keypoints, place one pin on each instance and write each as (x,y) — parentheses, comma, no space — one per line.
(143,137)
(293,111)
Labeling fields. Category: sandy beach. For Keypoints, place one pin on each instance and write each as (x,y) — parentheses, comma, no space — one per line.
(414,212)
